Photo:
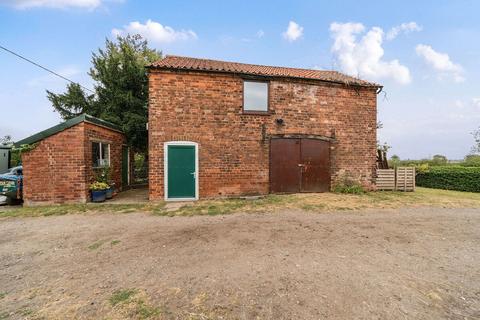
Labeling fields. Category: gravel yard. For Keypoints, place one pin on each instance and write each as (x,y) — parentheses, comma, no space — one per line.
(418,263)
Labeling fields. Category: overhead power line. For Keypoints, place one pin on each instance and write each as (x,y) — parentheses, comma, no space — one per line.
(44,68)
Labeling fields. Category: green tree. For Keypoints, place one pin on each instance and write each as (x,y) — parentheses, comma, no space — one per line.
(395,158)
(439,160)
(121,88)
(394,161)
(472,160)
(476,137)
(73,102)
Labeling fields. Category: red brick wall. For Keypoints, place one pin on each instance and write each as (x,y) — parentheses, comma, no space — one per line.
(54,172)
(59,169)
(94,133)
(233,151)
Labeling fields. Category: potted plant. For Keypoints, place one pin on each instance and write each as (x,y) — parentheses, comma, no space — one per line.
(99,191)
(105,176)
(109,191)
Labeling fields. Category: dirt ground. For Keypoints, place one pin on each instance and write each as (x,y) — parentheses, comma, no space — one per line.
(378,264)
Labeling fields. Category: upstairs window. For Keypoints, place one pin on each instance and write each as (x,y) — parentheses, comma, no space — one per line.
(255,96)
(100,154)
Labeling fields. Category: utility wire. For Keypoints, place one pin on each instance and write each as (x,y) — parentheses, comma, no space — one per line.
(44,68)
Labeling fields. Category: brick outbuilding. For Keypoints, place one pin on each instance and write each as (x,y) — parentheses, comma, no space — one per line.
(221,128)
(66,158)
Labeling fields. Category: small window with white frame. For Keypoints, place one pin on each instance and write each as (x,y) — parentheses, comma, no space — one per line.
(100,154)
(255,96)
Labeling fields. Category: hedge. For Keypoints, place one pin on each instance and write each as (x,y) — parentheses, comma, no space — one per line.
(451,178)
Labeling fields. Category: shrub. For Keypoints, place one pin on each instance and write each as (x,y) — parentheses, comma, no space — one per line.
(140,168)
(422,168)
(451,178)
(471,160)
(347,184)
(354,189)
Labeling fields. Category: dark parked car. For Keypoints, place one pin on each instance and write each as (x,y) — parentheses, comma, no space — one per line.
(11,185)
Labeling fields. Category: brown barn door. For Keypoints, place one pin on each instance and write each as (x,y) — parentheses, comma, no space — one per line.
(299,165)
(315,155)
(285,172)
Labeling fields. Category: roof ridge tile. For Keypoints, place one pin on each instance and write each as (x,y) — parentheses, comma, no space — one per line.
(209,65)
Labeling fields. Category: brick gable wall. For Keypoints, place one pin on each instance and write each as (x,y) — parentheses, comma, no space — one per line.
(59,169)
(234,147)
(54,172)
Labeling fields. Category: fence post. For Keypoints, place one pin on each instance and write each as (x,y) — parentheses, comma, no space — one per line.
(414,179)
(395,175)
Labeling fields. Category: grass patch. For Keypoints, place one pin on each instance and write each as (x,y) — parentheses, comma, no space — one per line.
(134,304)
(228,206)
(422,197)
(58,210)
(25,312)
(96,245)
(211,208)
(145,311)
(2,295)
(313,207)
(314,202)
(121,296)
(114,242)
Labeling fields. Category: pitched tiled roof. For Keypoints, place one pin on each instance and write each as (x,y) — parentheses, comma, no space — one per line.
(187,63)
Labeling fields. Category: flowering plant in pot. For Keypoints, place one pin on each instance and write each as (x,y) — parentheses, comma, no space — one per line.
(110,190)
(105,176)
(99,191)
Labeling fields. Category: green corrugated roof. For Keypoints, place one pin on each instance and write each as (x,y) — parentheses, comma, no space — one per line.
(65,125)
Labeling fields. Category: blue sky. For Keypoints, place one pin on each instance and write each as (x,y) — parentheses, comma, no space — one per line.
(425,53)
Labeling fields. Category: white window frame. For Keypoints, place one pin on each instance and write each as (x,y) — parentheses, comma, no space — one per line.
(165,169)
(101,146)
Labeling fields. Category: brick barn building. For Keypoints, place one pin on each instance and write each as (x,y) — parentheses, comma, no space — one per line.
(66,157)
(224,129)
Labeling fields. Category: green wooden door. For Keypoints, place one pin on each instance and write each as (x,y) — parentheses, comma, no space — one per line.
(181,171)
(124,167)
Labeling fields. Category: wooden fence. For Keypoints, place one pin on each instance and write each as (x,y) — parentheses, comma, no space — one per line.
(398,179)
(385,179)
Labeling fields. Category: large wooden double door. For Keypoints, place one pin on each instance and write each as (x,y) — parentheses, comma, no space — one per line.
(299,165)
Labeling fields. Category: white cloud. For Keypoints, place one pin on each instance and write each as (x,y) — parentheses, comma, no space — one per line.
(476,102)
(363,57)
(294,31)
(155,32)
(57,4)
(459,104)
(405,27)
(440,62)
(258,35)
